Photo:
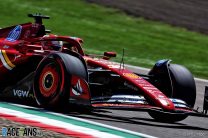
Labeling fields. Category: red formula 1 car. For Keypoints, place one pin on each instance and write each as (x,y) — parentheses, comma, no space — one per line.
(52,71)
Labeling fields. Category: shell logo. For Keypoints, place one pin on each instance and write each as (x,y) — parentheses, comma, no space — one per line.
(131,75)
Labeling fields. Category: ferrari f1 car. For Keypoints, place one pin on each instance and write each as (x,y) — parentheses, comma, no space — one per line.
(51,71)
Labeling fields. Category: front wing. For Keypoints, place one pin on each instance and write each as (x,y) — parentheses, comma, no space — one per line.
(138,103)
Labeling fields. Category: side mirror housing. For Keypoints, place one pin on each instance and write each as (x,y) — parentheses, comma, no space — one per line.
(110,54)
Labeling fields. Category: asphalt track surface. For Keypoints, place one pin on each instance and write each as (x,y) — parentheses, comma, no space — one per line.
(192,127)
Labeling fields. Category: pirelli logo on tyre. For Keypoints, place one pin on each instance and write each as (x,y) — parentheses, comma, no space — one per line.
(131,75)
(5,60)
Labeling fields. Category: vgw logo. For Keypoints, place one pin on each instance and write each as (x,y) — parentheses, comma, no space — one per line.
(19,132)
(20,93)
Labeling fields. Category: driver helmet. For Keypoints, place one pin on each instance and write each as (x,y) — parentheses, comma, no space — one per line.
(52,45)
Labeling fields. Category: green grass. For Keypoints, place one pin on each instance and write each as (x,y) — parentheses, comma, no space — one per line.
(106,29)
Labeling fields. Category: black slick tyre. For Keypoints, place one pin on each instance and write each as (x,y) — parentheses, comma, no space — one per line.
(184,88)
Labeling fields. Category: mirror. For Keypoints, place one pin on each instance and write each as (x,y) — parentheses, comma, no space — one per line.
(110,54)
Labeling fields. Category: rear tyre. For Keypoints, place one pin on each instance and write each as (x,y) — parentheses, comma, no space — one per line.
(53,78)
(184,88)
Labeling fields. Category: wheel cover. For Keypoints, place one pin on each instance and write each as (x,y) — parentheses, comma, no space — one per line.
(49,79)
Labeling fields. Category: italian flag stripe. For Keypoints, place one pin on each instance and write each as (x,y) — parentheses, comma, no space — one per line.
(67,123)
(44,126)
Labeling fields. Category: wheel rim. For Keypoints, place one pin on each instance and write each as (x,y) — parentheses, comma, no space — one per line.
(49,79)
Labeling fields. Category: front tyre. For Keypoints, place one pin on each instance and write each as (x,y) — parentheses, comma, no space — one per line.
(183,87)
(167,117)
